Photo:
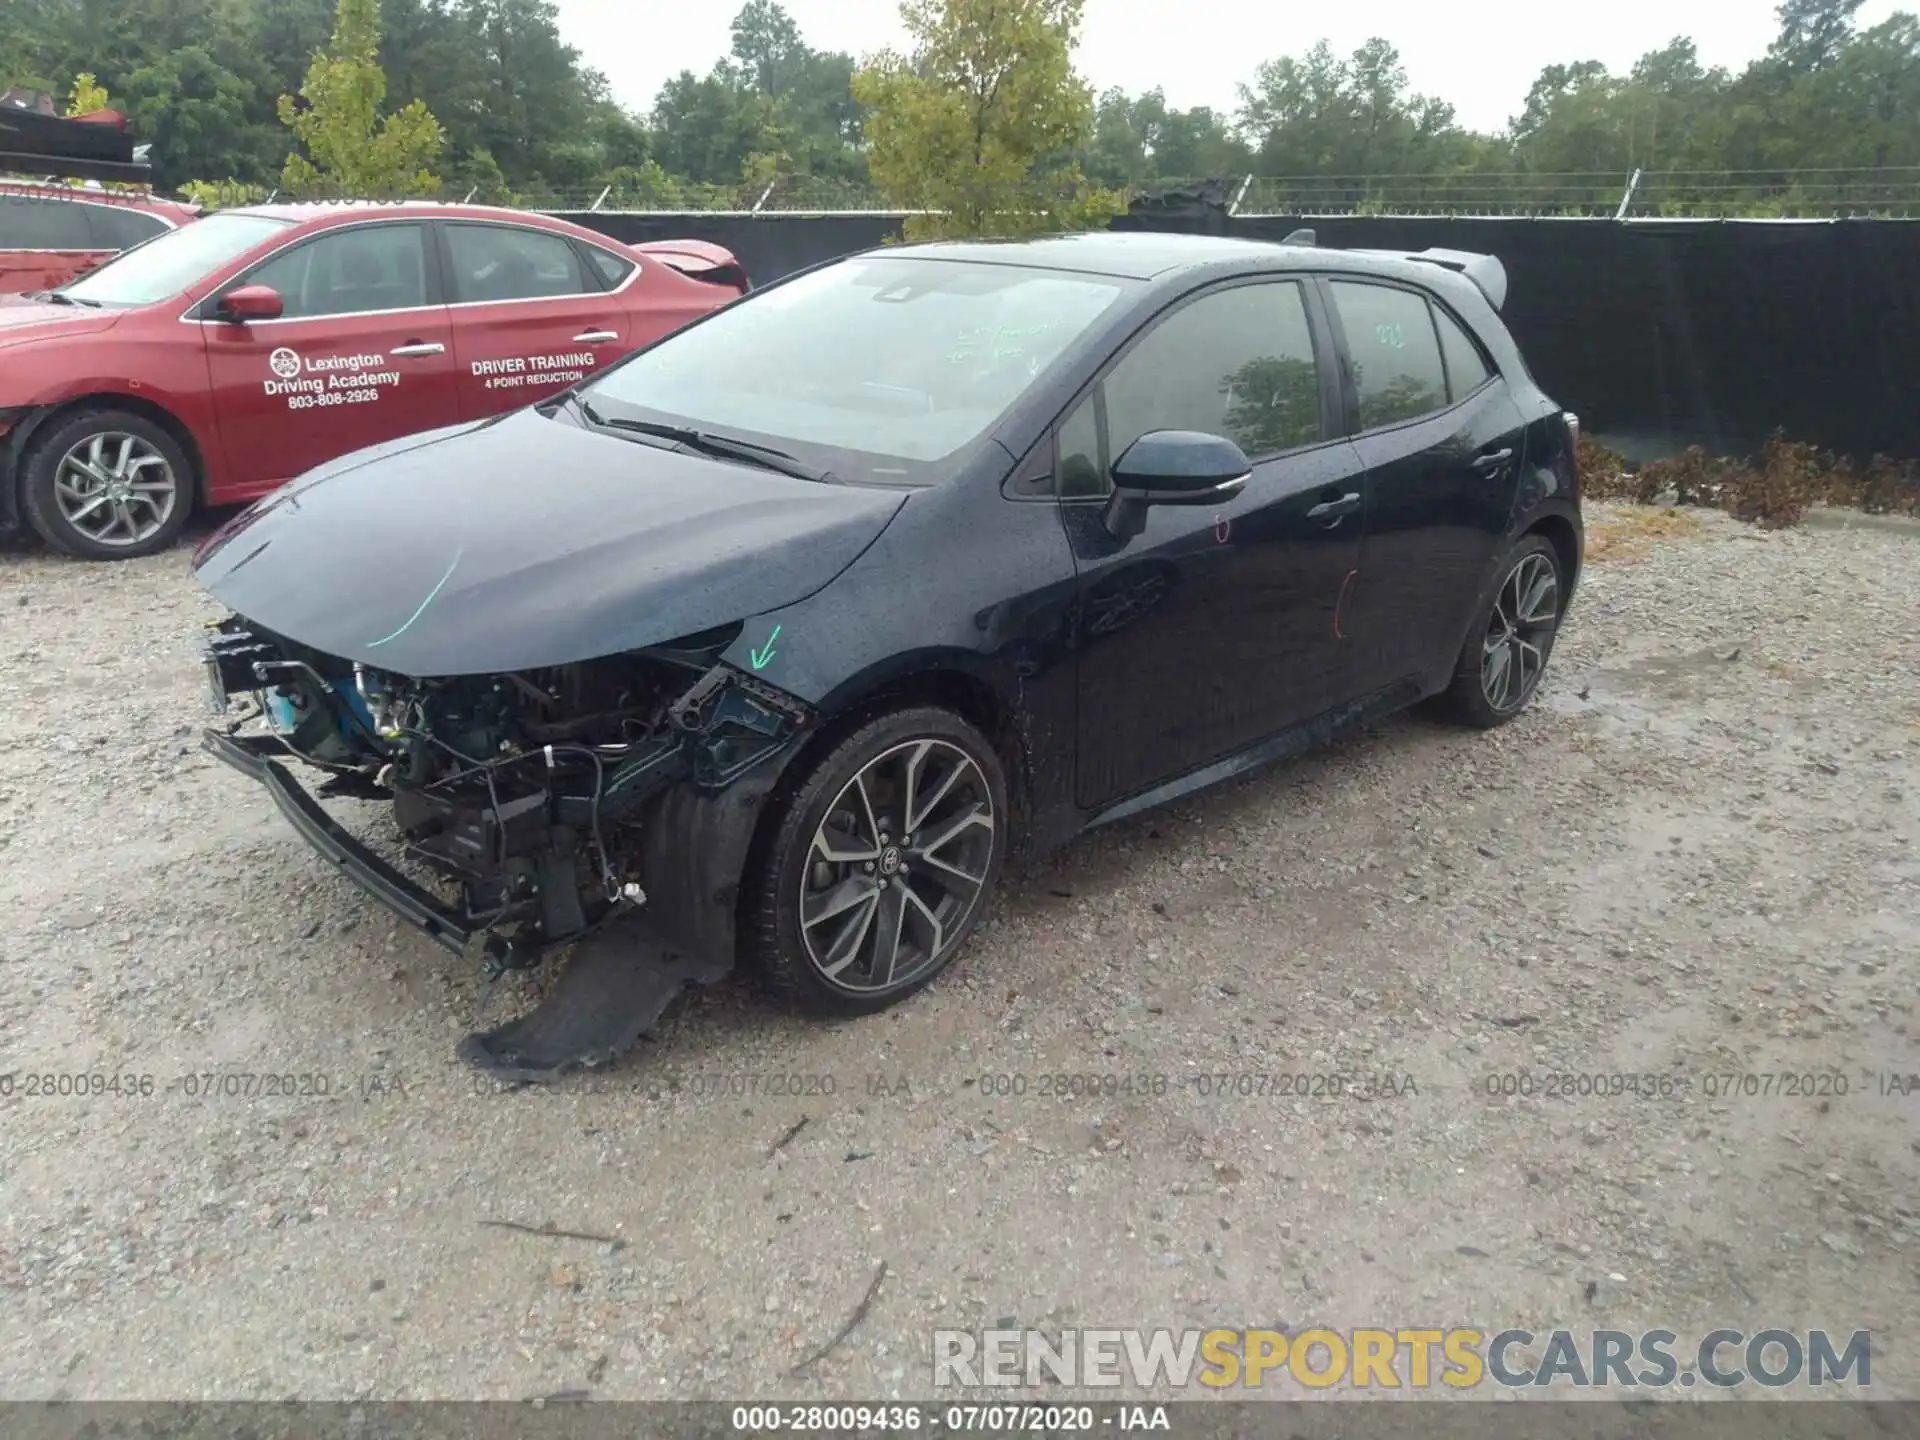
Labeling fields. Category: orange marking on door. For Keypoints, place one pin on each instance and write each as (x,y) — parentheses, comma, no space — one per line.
(1345,586)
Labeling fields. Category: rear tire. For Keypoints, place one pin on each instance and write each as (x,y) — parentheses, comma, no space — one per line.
(1505,655)
(107,484)
(879,865)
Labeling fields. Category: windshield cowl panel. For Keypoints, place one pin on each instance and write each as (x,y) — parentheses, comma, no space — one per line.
(884,370)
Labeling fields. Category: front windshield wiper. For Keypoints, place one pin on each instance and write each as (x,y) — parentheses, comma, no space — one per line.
(726,447)
(56,297)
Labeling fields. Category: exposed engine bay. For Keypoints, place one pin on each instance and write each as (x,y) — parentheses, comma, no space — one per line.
(528,791)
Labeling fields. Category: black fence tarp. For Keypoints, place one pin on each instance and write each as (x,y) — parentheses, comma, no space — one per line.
(769,246)
(1659,333)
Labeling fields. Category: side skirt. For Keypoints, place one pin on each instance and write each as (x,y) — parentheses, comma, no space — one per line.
(1288,743)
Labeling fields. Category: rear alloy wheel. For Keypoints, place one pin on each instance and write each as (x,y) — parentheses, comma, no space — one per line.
(1501,664)
(107,485)
(881,864)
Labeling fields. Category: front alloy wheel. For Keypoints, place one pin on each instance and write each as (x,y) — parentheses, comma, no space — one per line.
(115,489)
(897,865)
(106,485)
(881,863)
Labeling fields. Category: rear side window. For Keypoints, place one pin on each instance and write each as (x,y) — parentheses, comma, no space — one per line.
(42,222)
(1466,367)
(349,272)
(1396,354)
(496,262)
(118,228)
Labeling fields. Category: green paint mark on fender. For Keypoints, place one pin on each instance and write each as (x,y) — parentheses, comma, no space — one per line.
(763,657)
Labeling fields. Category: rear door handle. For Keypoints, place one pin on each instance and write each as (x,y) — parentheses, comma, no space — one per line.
(419,347)
(1487,464)
(594,337)
(1331,512)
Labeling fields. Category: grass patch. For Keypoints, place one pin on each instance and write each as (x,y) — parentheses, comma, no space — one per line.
(1628,532)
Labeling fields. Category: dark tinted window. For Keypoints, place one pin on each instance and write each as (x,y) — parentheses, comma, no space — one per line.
(613,269)
(495,262)
(1081,471)
(117,228)
(38,222)
(1237,363)
(1396,357)
(1466,366)
(346,272)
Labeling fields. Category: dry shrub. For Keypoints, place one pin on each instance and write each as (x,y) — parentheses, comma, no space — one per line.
(1771,491)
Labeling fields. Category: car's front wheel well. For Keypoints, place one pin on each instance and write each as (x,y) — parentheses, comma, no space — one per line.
(49,420)
(968,697)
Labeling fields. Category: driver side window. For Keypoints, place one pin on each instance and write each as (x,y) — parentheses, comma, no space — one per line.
(1237,362)
(350,272)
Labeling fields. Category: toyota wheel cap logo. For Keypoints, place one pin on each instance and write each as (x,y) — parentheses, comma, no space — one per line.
(285,363)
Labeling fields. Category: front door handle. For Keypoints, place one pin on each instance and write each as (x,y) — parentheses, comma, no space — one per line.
(1487,464)
(1331,512)
(594,337)
(419,347)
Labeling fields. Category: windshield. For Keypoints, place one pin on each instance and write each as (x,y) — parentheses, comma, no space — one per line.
(883,364)
(168,264)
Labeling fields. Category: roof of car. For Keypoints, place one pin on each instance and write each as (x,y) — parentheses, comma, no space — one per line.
(1132,254)
(1155,256)
(325,209)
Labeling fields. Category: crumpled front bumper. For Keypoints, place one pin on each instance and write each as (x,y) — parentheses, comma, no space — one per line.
(252,756)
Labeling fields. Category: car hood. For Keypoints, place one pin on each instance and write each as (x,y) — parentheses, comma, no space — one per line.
(23,320)
(527,542)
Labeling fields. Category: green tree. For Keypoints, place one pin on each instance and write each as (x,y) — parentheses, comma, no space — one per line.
(193,110)
(87,95)
(353,150)
(982,123)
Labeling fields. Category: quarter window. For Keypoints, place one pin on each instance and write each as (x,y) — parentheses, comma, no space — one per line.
(1395,353)
(494,262)
(1466,366)
(612,268)
(349,272)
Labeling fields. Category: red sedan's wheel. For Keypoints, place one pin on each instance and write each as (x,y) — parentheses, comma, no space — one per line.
(107,485)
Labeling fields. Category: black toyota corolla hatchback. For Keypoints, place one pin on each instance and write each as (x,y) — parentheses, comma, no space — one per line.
(781,636)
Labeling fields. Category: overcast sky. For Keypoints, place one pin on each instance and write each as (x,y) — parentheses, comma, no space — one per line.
(1482,56)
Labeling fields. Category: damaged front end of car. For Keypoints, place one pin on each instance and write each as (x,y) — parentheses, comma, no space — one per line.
(529,794)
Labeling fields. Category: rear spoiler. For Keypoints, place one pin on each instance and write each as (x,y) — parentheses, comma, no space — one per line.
(699,260)
(1485,271)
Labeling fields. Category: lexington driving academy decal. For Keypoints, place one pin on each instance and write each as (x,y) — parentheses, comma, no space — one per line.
(314,380)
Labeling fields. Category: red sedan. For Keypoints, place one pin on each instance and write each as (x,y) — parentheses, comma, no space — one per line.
(214,363)
(51,233)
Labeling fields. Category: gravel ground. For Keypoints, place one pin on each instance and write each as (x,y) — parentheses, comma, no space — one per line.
(1696,855)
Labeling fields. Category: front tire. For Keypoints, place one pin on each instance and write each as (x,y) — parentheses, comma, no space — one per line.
(1501,665)
(107,485)
(880,864)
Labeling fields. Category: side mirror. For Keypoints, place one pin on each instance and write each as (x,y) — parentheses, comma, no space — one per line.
(251,302)
(1173,467)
